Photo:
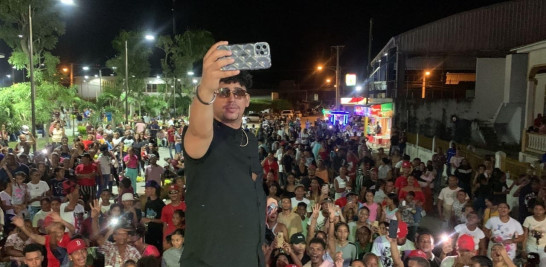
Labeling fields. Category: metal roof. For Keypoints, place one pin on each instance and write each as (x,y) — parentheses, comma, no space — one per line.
(491,29)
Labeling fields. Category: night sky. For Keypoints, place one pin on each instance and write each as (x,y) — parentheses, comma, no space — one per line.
(299,32)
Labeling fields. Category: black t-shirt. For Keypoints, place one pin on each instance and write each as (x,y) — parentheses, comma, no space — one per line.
(57,187)
(287,161)
(152,210)
(225,215)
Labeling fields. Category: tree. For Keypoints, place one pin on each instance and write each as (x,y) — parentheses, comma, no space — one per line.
(138,65)
(47,27)
(180,56)
(14,101)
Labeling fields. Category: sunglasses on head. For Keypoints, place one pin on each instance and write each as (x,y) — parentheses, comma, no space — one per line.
(225,92)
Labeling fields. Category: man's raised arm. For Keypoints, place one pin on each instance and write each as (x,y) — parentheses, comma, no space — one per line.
(199,134)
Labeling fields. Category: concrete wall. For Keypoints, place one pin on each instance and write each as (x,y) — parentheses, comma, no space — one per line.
(489,87)
(515,82)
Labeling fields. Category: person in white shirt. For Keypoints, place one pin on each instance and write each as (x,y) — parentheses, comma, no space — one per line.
(446,198)
(382,246)
(36,189)
(471,228)
(534,228)
(504,230)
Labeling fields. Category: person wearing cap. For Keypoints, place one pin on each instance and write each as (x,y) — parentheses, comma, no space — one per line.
(152,214)
(129,213)
(176,204)
(56,239)
(382,245)
(465,252)
(298,245)
(153,171)
(77,252)
(402,180)
(72,211)
(417,258)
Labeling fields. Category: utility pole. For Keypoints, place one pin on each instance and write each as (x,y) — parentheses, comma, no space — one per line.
(338,73)
(368,66)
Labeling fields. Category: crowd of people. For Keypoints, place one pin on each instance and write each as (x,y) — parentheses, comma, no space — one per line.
(59,201)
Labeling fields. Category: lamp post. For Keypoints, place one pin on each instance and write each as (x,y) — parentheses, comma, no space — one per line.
(86,68)
(337,70)
(148,37)
(31,67)
(423,88)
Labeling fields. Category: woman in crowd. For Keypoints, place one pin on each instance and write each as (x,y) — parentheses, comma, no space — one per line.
(374,209)
(363,220)
(534,228)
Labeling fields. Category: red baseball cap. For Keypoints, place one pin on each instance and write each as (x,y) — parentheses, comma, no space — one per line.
(402,229)
(417,253)
(466,242)
(47,221)
(75,245)
(174,187)
(69,186)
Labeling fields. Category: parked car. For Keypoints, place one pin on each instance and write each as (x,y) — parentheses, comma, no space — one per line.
(253,117)
(287,113)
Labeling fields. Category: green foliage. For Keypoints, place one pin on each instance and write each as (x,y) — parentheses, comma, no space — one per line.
(181,53)
(15,102)
(82,130)
(47,27)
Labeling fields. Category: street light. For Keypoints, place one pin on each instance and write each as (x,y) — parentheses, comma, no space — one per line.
(190,73)
(423,89)
(31,64)
(319,67)
(148,37)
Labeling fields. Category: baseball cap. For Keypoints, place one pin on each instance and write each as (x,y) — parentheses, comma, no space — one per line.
(69,186)
(152,183)
(127,196)
(402,229)
(297,238)
(406,164)
(47,221)
(465,242)
(417,253)
(174,187)
(75,245)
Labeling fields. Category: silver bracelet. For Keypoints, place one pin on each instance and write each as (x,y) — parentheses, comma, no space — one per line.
(201,100)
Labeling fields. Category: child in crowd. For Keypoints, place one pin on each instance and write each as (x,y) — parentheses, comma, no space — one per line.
(105,201)
(171,256)
(19,194)
(124,187)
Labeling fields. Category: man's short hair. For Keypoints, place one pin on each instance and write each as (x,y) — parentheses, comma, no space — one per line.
(244,78)
(317,240)
(420,261)
(483,261)
(302,204)
(369,256)
(32,248)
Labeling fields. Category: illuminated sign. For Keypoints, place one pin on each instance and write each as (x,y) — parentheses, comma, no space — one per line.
(350,79)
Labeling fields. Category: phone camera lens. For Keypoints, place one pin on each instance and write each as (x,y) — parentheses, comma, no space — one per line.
(264,46)
(257,46)
(261,52)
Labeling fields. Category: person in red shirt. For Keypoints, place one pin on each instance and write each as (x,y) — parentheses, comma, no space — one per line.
(176,204)
(402,180)
(270,163)
(171,139)
(88,142)
(77,251)
(86,172)
(56,237)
